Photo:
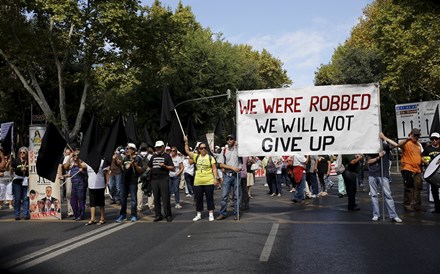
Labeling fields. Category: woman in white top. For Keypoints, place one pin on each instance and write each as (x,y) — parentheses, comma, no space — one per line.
(97,184)
(188,164)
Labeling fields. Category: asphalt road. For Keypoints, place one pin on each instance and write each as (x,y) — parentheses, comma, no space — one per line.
(274,236)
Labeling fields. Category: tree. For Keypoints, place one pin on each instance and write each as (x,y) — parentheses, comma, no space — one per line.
(45,40)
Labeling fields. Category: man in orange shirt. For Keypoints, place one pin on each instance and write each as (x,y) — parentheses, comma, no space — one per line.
(412,170)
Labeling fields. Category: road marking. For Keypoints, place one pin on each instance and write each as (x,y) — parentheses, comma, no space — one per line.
(64,247)
(265,253)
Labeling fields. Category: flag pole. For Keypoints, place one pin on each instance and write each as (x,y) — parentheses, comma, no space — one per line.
(178,119)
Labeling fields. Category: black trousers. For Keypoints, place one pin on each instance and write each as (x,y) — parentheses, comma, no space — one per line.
(350,180)
(434,191)
(161,192)
(244,193)
(208,190)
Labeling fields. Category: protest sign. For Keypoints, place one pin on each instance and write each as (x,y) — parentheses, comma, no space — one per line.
(341,119)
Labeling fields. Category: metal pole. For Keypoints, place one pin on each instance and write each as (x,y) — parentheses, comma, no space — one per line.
(383,192)
(237,192)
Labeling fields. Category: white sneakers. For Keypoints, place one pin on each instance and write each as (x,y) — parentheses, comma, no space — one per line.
(178,206)
(199,217)
(395,220)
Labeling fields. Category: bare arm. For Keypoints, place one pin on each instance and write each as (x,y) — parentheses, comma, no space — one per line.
(188,152)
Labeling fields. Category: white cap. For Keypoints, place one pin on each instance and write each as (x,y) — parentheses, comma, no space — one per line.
(159,144)
(435,135)
(167,148)
(131,145)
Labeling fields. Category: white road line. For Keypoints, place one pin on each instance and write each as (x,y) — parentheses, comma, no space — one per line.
(51,249)
(265,253)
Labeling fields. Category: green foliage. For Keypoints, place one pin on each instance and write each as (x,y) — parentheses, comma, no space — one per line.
(110,57)
(397,44)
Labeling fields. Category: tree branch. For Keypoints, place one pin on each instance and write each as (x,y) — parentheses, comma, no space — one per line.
(37,93)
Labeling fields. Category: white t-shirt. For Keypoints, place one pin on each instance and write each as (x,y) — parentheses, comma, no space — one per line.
(176,162)
(189,168)
(96,180)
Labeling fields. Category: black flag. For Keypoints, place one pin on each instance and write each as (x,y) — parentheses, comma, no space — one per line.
(167,108)
(130,130)
(7,142)
(115,137)
(148,139)
(435,126)
(88,152)
(218,131)
(175,137)
(50,154)
(192,135)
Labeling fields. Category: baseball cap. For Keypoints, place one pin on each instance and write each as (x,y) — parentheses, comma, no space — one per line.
(435,135)
(159,144)
(131,145)
(167,148)
(230,136)
(415,131)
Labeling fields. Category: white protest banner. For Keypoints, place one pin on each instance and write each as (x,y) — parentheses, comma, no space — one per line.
(341,119)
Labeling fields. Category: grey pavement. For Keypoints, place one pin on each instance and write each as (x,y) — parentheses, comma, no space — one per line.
(273,236)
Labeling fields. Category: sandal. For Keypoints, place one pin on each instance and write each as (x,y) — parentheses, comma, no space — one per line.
(101,222)
(91,222)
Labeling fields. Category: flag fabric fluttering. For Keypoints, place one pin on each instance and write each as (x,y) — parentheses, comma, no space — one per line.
(51,153)
(175,136)
(435,126)
(112,139)
(88,152)
(218,131)
(148,139)
(192,135)
(167,109)
(7,142)
(130,130)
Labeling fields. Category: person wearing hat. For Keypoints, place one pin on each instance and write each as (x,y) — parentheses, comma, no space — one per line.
(161,164)
(411,169)
(131,170)
(231,164)
(431,151)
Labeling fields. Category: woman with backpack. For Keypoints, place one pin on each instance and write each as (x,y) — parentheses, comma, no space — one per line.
(205,178)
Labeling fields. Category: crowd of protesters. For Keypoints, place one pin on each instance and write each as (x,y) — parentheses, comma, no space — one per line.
(165,171)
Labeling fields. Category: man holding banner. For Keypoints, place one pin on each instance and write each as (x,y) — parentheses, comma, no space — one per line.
(230,162)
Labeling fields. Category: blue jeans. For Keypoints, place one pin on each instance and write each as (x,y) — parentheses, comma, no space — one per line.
(374,183)
(313,182)
(299,193)
(278,182)
(20,198)
(174,188)
(115,187)
(189,179)
(229,182)
(124,195)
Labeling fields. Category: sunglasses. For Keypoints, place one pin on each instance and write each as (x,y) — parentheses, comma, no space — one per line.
(202,148)
(228,139)
(22,152)
(434,139)
(173,150)
(416,135)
